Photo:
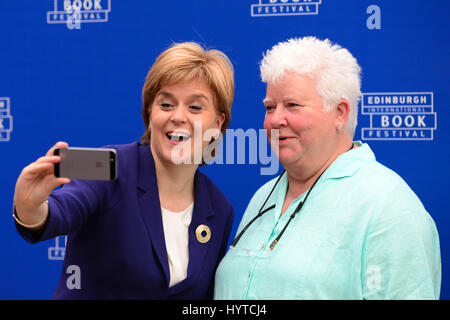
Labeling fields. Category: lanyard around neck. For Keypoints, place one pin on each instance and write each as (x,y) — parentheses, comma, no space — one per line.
(297,210)
(261,211)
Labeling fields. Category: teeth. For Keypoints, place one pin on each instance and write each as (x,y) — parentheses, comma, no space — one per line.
(178,136)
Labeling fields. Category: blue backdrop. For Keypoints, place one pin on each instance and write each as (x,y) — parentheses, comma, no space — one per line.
(76,75)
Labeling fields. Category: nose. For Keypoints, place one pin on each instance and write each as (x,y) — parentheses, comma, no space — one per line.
(178,115)
(277,117)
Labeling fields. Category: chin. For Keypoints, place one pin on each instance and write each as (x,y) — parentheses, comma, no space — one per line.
(294,164)
(288,157)
(181,158)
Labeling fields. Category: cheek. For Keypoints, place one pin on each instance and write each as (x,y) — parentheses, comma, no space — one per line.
(323,123)
(150,115)
(268,128)
(211,121)
(267,124)
(304,124)
(156,127)
(153,127)
(157,119)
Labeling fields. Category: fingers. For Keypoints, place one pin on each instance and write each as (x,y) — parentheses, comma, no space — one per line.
(39,168)
(42,167)
(48,159)
(37,180)
(49,156)
(58,145)
(35,184)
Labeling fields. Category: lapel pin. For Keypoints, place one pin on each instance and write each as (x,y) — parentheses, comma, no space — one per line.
(203,233)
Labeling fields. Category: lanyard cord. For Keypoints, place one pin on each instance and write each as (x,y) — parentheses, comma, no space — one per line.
(299,207)
(260,213)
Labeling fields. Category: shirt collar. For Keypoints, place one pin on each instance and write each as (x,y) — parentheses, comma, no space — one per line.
(348,163)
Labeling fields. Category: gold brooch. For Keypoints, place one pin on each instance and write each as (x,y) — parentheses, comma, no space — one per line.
(203,233)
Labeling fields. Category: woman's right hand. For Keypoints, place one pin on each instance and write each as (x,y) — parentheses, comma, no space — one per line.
(34,185)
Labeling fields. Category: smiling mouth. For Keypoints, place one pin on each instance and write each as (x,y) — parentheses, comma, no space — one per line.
(178,136)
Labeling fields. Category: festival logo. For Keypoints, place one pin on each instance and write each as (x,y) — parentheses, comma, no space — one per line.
(266,8)
(58,251)
(399,116)
(6,120)
(74,12)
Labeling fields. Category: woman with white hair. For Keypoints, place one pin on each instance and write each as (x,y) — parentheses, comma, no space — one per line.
(336,224)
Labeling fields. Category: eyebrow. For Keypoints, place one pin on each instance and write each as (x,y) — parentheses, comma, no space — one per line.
(266,100)
(199,96)
(195,95)
(166,94)
(287,98)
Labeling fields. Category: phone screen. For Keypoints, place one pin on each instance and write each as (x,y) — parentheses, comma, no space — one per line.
(87,164)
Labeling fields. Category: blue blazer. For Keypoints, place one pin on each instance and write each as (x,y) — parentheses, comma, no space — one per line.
(116,242)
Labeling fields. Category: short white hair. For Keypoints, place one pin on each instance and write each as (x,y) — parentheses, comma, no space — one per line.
(334,68)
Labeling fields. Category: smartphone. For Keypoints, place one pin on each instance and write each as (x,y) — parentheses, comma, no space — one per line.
(86,163)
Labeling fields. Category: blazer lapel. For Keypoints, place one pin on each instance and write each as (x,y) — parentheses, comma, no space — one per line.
(202,211)
(150,206)
(197,250)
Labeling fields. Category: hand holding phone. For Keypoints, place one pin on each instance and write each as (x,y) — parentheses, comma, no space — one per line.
(40,178)
(34,185)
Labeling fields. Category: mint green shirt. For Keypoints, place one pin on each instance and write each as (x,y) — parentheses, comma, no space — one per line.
(362,234)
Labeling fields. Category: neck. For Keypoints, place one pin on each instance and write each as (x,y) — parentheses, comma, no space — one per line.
(175,184)
(302,178)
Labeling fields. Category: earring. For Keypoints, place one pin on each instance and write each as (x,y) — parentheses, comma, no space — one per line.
(340,127)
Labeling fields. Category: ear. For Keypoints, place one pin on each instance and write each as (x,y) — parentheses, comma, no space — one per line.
(220,121)
(342,112)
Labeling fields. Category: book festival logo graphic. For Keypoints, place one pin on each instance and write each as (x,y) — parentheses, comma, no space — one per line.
(266,8)
(74,12)
(399,116)
(58,251)
(6,120)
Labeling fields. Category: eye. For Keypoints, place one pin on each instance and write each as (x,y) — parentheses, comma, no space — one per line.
(165,105)
(269,108)
(195,108)
(292,104)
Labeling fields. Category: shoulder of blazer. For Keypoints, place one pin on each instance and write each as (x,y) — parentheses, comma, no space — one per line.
(127,163)
(127,156)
